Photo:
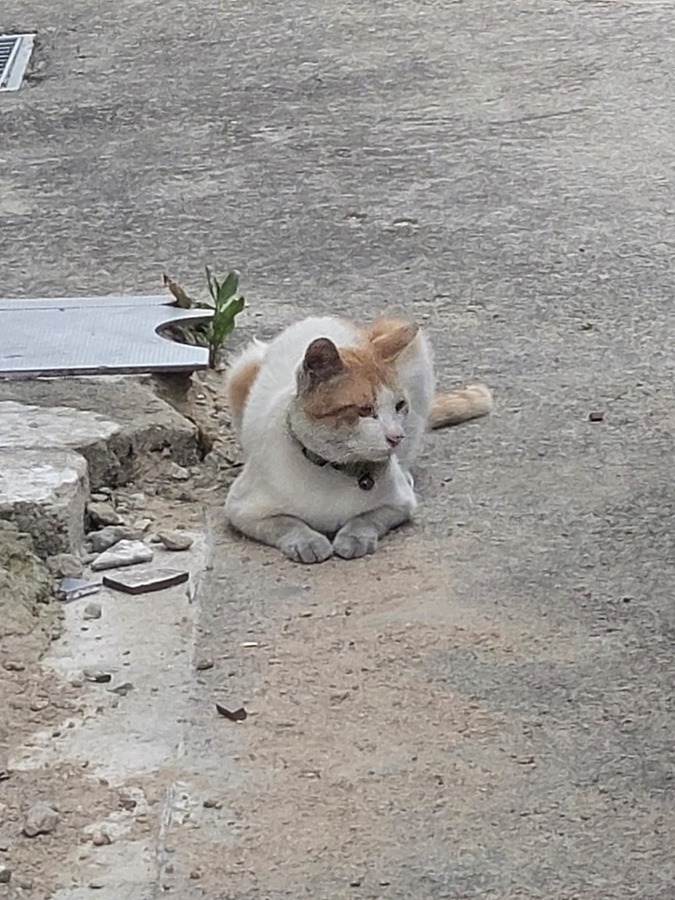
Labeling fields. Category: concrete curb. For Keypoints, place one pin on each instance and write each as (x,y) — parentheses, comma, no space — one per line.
(56,445)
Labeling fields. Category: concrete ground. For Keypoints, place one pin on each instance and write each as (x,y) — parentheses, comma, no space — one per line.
(485,707)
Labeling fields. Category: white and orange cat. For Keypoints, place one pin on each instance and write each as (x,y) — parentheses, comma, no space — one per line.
(330,417)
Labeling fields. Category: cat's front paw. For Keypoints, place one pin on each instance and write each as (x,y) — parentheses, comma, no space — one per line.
(350,544)
(306,547)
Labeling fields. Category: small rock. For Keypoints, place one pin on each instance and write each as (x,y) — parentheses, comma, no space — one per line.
(111,535)
(174,540)
(122,689)
(92,611)
(27,884)
(178,473)
(13,665)
(195,874)
(232,711)
(65,565)
(212,803)
(124,553)
(138,500)
(203,664)
(5,844)
(101,837)
(100,497)
(97,675)
(142,525)
(5,874)
(96,884)
(39,704)
(596,416)
(103,514)
(41,819)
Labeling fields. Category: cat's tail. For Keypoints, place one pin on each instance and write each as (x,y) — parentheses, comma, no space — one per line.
(459,406)
(240,378)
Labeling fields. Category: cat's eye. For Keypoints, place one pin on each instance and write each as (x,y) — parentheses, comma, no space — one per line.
(367,412)
(402,407)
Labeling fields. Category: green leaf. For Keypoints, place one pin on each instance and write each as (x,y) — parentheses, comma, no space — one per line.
(228,288)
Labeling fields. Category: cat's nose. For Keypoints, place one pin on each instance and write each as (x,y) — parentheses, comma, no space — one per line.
(394,440)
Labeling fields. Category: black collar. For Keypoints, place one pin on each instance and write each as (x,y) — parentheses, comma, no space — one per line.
(364,472)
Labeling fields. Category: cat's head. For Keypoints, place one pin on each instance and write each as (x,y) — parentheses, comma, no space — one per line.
(348,406)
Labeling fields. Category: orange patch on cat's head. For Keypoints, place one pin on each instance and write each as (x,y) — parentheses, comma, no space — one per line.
(339,386)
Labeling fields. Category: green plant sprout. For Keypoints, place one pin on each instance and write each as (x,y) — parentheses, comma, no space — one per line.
(225,306)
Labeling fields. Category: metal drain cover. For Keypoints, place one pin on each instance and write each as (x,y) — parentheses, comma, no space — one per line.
(15,51)
(94,336)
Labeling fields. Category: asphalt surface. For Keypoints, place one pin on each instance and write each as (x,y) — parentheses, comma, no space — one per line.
(502,171)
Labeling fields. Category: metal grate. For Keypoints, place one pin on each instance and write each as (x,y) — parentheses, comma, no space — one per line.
(15,51)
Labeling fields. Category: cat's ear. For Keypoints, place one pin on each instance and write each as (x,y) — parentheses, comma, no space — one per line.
(390,337)
(322,362)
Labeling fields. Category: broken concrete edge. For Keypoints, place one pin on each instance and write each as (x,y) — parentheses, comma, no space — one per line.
(146,423)
(56,446)
(26,588)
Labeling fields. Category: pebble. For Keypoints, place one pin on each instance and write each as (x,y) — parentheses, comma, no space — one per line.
(110,535)
(96,885)
(97,675)
(100,498)
(41,819)
(5,874)
(67,565)
(122,689)
(178,473)
(13,665)
(596,417)
(142,524)
(39,704)
(138,499)
(212,803)
(174,540)
(124,553)
(101,838)
(92,611)
(203,664)
(103,514)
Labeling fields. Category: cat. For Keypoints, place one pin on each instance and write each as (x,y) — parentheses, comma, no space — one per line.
(330,417)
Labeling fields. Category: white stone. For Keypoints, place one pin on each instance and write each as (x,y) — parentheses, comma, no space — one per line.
(124,553)
(175,540)
(41,819)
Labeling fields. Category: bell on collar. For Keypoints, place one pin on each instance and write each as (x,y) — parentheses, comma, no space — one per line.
(366,481)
